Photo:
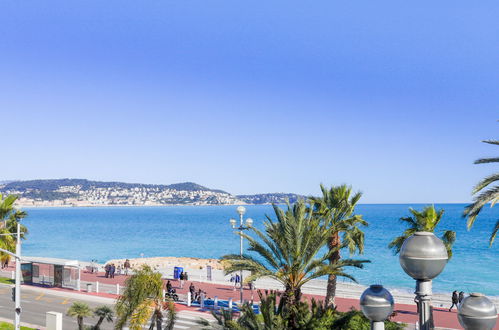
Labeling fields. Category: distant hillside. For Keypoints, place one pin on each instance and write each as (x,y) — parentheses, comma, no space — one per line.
(48,185)
(82,192)
(276,198)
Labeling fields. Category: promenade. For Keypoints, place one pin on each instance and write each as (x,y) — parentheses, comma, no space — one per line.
(405,313)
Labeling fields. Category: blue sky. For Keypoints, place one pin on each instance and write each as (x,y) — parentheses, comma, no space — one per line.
(390,97)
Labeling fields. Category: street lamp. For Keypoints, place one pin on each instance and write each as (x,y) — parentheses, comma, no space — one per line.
(242,226)
(423,257)
(17,288)
(376,303)
(477,312)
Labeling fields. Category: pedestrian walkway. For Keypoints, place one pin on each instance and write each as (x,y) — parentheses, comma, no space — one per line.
(404,312)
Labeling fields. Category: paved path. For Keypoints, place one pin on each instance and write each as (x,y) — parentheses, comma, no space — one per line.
(36,302)
(405,312)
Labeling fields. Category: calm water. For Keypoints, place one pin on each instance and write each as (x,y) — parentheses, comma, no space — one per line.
(204,231)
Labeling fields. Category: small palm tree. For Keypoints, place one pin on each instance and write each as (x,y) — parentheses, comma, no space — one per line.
(288,251)
(9,217)
(103,313)
(336,208)
(79,310)
(426,220)
(143,300)
(484,193)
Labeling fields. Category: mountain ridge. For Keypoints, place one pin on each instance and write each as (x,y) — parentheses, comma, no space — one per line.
(83,192)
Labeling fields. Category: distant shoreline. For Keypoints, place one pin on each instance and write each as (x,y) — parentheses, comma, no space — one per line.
(235,204)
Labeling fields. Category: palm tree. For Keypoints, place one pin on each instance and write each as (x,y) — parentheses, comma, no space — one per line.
(103,313)
(484,193)
(426,220)
(9,217)
(79,310)
(336,209)
(142,300)
(6,206)
(288,250)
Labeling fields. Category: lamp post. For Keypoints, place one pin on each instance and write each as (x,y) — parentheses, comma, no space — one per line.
(423,257)
(249,222)
(17,288)
(477,312)
(376,304)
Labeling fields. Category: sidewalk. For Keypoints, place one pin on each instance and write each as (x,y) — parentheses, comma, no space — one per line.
(405,313)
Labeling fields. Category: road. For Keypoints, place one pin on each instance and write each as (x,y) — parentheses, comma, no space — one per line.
(35,304)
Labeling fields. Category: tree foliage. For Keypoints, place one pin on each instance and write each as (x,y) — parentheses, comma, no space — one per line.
(289,251)
(486,191)
(79,310)
(425,220)
(336,209)
(143,300)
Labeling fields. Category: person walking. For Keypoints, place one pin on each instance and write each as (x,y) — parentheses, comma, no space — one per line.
(192,290)
(181,278)
(112,270)
(461,297)
(238,280)
(455,300)
(107,268)
(127,266)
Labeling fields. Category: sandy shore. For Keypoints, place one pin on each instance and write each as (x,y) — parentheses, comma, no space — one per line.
(168,262)
(196,267)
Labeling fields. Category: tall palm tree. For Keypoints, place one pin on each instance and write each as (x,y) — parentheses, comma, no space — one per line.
(336,209)
(79,310)
(426,220)
(103,313)
(142,300)
(287,252)
(485,192)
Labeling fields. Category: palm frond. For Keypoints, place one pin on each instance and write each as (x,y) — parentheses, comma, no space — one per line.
(485,182)
(494,233)
(496,142)
(487,160)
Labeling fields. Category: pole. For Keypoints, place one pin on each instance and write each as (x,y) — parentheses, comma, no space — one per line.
(17,318)
(377,325)
(241,253)
(423,296)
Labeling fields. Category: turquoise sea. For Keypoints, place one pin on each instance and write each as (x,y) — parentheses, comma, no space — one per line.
(204,232)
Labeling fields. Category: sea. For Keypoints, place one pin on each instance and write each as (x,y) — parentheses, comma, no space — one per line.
(104,233)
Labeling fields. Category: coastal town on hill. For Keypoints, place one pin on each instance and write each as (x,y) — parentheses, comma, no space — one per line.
(85,193)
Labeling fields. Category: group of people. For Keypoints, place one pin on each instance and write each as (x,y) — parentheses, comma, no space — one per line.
(457,299)
(196,295)
(111,269)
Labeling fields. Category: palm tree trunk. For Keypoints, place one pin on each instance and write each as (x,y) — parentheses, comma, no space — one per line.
(80,322)
(334,243)
(97,325)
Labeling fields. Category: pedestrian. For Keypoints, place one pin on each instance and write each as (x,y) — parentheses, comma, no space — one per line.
(112,270)
(238,280)
(192,290)
(168,286)
(455,300)
(107,268)
(461,297)
(181,278)
(127,266)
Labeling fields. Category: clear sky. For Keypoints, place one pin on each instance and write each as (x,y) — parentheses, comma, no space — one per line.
(392,97)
